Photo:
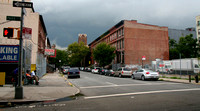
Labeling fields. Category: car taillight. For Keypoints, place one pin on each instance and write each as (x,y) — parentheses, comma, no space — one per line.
(122,72)
(147,73)
(68,73)
(95,69)
(78,72)
(102,70)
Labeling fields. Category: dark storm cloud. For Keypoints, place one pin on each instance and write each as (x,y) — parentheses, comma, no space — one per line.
(65,19)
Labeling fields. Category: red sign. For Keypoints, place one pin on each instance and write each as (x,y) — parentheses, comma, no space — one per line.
(27,33)
(143,58)
(161,65)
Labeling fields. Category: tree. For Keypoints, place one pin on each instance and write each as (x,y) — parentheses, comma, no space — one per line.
(77,53)
(187,47)
(103,53)
(61,58)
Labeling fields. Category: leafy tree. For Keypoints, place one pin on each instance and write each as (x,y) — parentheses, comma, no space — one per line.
(61,58)
(77,53)
(103,53)
(187,47)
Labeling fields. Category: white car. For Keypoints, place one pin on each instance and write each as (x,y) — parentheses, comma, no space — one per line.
(145,74)
(95,70)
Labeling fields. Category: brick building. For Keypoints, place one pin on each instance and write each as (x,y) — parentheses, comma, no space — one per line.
(82,38)
(134,40)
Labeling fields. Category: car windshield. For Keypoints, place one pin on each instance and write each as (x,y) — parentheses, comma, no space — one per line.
(127,69)
(147,70)
(73,70)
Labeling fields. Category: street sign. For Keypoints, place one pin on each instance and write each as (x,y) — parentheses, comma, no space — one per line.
(13,18)
(143,58)
(27,33)
(22,4)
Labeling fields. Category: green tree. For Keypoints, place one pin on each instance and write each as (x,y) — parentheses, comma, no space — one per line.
(61,58)
(187,47)
(77,53)
(103,53)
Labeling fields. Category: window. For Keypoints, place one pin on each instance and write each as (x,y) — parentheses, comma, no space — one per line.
(199,31)
(122,31)
(122,43)
(198,23)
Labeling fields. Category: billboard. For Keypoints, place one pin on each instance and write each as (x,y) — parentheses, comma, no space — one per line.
(9,53)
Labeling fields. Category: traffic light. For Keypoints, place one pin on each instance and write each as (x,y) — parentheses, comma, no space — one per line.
(8,32)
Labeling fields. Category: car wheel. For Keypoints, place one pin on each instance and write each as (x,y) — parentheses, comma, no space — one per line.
(143,78)
(132,76)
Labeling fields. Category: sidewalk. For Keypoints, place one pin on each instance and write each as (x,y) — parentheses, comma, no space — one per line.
(52,86)
(183,80)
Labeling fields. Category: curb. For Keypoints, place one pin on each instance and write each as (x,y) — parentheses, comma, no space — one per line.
(179,81)
(78,90)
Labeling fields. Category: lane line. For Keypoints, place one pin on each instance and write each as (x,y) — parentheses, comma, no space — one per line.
(139,93)
(115,85)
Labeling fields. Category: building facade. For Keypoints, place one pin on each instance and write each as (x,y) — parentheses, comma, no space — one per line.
(177,33)
(82,38)
(33,55)
(134,40)
(198,28)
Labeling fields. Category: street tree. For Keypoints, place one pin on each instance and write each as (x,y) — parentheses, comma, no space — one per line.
(187,47)
(61,58)
(77,53)
(103,53)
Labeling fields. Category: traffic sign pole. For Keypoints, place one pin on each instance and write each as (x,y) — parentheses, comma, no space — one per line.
(19,88)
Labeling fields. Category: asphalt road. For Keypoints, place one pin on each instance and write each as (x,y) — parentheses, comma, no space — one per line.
(104,93)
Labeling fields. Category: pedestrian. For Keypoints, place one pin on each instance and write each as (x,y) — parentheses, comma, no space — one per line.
(33,75)
(15,76)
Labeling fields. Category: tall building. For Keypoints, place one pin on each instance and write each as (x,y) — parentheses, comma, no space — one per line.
(198,28)
(134,40)
(82,38)
(33,48)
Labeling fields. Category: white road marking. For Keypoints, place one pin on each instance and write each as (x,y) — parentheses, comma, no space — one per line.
(138,93)
(111,83)
(115,85)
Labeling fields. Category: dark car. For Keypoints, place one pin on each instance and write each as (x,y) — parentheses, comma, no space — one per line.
(73,72)
(101,71)
(109,72)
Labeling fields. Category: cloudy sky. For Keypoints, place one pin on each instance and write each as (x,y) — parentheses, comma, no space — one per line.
(65,19)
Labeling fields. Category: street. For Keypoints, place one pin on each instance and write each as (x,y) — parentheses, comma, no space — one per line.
(112,93)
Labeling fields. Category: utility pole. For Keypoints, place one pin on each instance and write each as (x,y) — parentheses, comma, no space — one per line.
(19,88)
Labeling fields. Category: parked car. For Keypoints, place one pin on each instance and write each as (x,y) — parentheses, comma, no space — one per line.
(123,71)
(145,74)
(88,69)
(102,71)
(73,72)
(95,70)
(109,72)
(65,70)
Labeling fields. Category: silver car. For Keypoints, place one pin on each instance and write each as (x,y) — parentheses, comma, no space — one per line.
(123,71)
(145,74)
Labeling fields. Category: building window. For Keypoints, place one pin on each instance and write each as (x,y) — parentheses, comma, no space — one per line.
(122,43)
(117,34)
(198,23)
(122,31)
(199,31)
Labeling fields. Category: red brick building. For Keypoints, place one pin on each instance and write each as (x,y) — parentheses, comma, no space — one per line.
(82,38)
(134,40)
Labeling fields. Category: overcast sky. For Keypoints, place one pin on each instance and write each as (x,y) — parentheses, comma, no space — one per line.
(65,19)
